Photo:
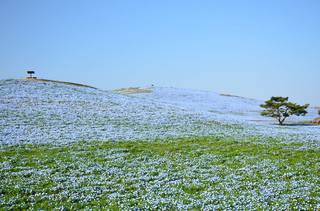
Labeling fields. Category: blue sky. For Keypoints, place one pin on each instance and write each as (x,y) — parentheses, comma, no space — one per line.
(251,48)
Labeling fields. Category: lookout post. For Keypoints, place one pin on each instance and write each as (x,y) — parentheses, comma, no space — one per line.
(31,75)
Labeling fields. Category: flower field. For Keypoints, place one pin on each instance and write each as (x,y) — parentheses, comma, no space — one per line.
(68,147)
(199,173)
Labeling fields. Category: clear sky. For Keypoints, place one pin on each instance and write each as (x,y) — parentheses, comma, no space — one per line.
(253,48)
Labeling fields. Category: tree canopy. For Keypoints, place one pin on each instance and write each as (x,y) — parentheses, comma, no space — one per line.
(280,108)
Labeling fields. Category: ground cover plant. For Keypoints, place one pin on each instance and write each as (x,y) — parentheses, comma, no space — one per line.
(64,146)
(186,173)
(39,112)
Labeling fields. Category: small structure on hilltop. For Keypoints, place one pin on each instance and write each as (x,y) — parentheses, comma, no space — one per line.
(31,75)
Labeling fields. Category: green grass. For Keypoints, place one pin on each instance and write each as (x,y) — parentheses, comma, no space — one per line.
(186,146)
(62,82)
(47,176)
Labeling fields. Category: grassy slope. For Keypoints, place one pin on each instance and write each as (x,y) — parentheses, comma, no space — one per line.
(185,173)
(61,82)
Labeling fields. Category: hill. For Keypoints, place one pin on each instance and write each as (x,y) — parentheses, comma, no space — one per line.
(55,112)
(64,146)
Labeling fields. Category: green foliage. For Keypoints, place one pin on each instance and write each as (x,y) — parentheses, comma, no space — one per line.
(280,108)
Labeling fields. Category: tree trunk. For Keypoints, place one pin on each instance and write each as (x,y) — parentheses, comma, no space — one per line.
(281,121)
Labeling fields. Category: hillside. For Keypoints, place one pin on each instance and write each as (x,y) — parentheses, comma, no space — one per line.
(70,147)
(54,112)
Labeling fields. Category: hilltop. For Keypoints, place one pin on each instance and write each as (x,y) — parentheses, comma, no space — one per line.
(34,79)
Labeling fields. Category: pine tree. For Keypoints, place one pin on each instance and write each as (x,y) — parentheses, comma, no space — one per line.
(280,108)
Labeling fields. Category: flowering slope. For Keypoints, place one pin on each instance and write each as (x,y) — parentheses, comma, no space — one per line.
(64,146)
(48,112)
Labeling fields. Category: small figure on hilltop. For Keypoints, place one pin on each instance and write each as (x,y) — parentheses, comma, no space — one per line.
(280,108)
(30,72)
